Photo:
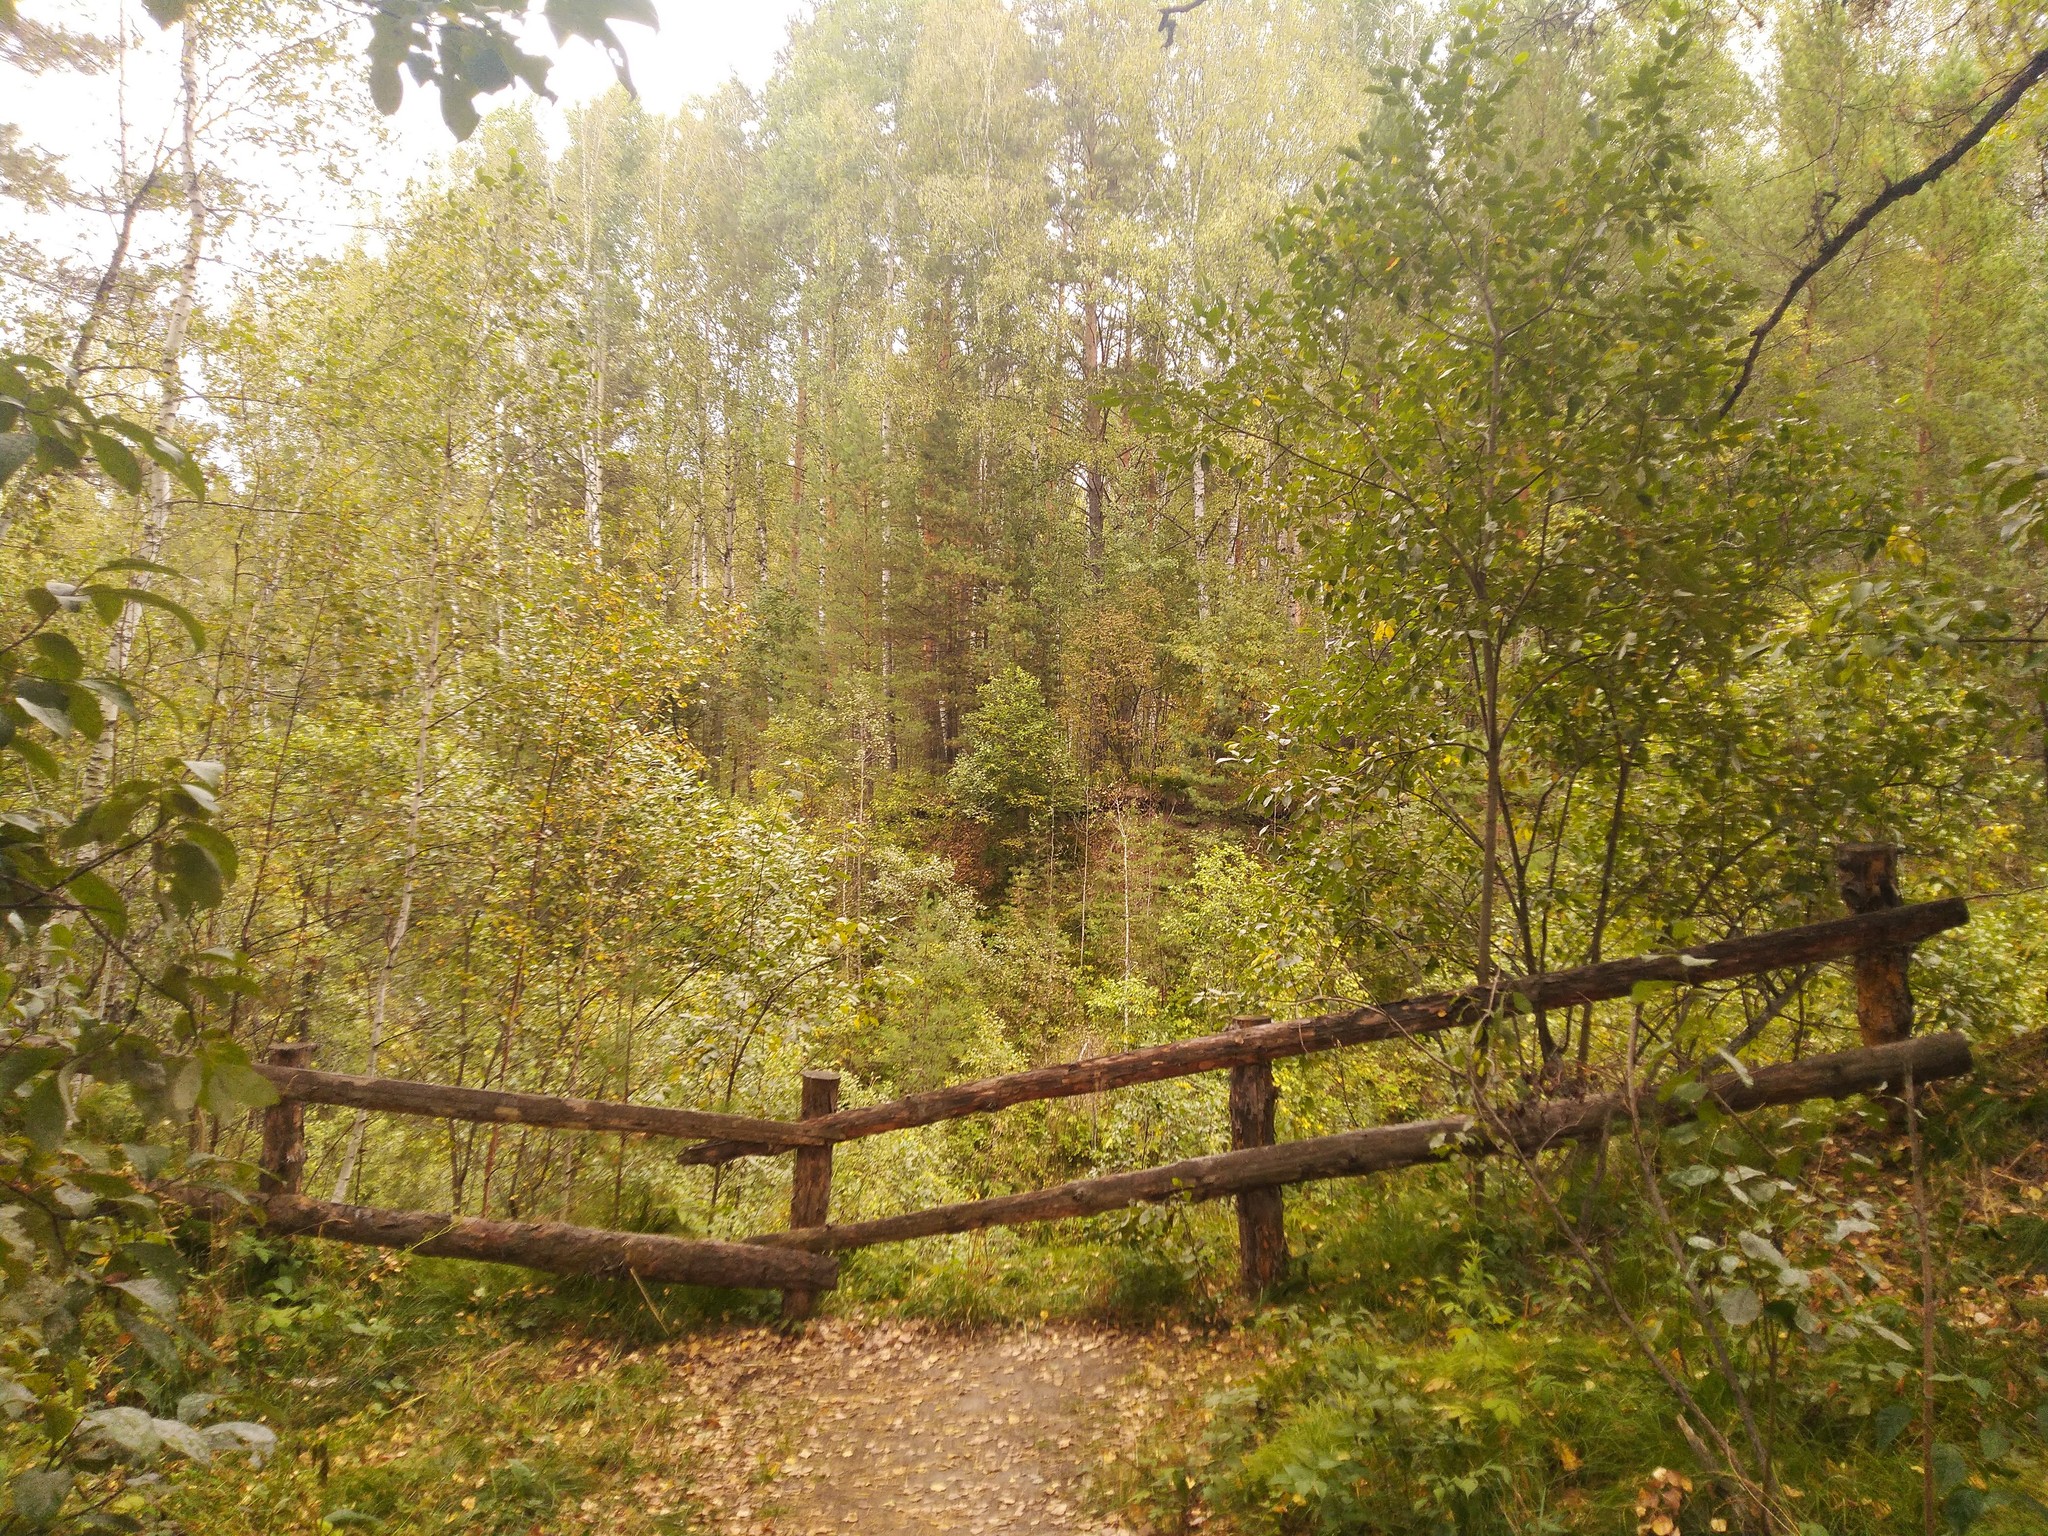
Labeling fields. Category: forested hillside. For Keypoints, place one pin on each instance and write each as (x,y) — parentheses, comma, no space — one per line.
(1028,537)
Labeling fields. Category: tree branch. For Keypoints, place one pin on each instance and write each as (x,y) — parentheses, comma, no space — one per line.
(1169,17)
(2028,77)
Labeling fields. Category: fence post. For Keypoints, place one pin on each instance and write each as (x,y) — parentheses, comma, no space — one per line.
(1261,1218)
(1867,876)
(810,1189)
(284,1127)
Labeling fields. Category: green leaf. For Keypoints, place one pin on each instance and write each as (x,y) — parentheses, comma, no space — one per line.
(46,1117)
(1964,1506)
(115,457)
(387,89)
(593,19)
(151,1293)
(109,601)
(39,1495)
(192,801)
(233,1086)
(218,844)
(36,755)
(101,900)
(111,694)
(82,706)
(458,110)
(1740,1305)
(18,1066)
(109,819)
(167,13)
(192,879)
(129,1431)
(149,1161)
(186,1081)
(1951,1468)
(60,657)
(45,702)
(16,449)
(137,563)
(206,770)
(1887,1423)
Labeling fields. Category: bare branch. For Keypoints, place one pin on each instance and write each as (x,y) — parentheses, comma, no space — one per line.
(1169,17)
(1896,192)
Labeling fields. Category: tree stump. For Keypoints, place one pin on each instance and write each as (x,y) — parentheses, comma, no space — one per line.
(810,1190)
(284,1127)
(1867,876)
(1261,1213)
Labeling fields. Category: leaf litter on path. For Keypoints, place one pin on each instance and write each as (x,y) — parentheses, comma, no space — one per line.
(903,1428)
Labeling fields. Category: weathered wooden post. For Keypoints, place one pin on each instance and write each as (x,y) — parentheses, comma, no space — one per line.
(1261,1213)
(284,1127)
(1867,876)
(810,1189)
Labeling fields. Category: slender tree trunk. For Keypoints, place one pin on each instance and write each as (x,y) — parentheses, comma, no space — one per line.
(593,317)
(760,522)
(156,521)
(732,514)
(593,469)
(103,290)
(1096,422)
(1489,850)
(1123,837)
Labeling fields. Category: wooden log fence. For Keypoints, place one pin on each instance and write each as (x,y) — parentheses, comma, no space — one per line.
(1261,1213)
(1782,949)
(810,1186)
(491,1106)
(1546,1124)
(1878,938)
(547,1245)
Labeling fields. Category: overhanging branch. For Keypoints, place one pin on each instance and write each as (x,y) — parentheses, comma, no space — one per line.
(1897,192)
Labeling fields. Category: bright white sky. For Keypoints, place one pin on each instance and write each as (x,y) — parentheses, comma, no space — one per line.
(700,45)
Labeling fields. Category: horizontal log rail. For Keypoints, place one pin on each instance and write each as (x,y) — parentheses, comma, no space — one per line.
(1382,1148)
(547,1245)
(1781,949)
(398,1096)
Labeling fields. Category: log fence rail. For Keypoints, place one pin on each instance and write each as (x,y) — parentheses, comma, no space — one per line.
(1877,939)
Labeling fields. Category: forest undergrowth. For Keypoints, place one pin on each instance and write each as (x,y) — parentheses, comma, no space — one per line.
(1438,1361)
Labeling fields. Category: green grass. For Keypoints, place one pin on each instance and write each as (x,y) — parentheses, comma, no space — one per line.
(426,1395)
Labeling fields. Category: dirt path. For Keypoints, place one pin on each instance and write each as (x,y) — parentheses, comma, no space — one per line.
(898,1428)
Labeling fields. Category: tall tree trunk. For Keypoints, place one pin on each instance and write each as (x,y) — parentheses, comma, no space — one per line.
(103,290)
(156,520)
(593,325)
(760,518)
(1489,850)
(732,514)
(593,468)
(1096,420)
